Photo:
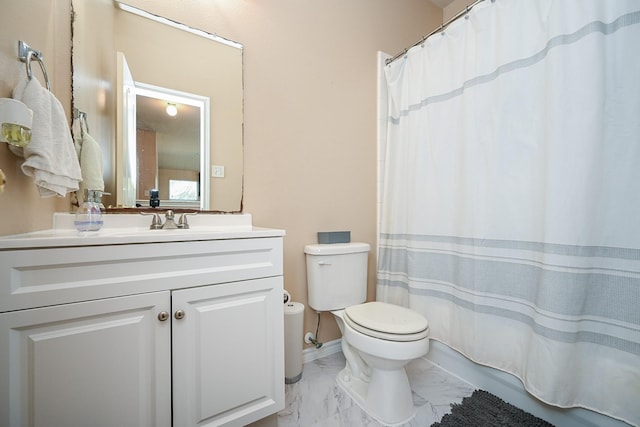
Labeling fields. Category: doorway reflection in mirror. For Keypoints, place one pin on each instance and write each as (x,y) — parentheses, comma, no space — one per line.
(171,150)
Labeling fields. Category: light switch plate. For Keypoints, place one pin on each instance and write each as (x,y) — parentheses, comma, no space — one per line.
(217,171)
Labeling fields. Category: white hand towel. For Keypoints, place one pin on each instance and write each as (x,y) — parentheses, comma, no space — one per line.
(50,157)
(91,165)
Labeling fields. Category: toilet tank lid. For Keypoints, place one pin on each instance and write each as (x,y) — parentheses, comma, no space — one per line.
(336,248)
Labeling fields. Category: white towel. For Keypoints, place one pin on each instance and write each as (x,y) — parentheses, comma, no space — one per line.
(50,157)
(91,164)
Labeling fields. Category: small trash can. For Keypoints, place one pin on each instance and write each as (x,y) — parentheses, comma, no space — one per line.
(293,324)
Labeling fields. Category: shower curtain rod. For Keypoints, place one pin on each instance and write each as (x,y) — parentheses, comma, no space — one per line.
(441,28)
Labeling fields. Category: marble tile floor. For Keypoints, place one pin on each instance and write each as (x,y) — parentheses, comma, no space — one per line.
(317,400)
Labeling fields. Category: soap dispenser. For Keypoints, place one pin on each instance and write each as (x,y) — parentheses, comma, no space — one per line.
(89,215)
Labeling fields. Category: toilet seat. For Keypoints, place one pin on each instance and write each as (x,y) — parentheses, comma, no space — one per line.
(387,321)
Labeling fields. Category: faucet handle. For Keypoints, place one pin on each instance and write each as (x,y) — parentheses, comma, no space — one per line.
(182,222)
(156,222)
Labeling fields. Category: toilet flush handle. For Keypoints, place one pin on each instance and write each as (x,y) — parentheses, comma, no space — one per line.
(323,263)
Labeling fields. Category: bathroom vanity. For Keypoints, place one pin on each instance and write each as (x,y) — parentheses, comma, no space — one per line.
(135,327)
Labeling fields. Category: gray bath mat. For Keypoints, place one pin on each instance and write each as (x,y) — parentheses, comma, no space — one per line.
(483,409)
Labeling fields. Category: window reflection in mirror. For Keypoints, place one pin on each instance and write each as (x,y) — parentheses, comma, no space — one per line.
(183,190)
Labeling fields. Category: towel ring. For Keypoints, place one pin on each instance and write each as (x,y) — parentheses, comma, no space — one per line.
(26,54)
(81,117)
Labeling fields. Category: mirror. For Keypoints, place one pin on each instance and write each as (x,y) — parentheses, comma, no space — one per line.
(164,57)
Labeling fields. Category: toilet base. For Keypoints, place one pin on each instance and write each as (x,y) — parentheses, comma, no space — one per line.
(393,407)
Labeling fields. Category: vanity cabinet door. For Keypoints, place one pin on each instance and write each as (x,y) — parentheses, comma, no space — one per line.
(97,363)
(228,353)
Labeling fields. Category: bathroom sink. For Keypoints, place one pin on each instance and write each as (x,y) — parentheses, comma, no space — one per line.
(139,222)
(134,228)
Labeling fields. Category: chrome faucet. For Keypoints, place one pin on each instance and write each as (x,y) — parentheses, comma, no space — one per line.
(169,223)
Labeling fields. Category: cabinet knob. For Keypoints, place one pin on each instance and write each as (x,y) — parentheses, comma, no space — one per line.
(162,316)
(179,314)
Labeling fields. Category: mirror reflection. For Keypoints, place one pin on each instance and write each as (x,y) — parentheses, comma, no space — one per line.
(173,58)
(171,141)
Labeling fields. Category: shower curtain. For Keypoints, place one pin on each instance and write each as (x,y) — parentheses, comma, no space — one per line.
(510,211)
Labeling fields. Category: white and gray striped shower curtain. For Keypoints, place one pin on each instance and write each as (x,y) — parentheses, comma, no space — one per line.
(511,195)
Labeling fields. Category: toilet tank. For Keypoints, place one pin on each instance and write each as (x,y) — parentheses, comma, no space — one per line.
(336,275)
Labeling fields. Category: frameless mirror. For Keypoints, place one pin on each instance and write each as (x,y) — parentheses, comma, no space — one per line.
(169,64)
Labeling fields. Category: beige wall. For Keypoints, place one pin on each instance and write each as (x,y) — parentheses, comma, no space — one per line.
(44,25)
(309,113)
(454,8)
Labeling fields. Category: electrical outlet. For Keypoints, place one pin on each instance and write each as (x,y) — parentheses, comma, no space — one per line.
(217,171)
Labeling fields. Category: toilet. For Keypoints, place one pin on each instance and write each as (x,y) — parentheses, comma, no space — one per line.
(378,339)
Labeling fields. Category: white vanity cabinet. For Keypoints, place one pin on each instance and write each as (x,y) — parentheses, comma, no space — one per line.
(184,333)
(227,337)
(98,363)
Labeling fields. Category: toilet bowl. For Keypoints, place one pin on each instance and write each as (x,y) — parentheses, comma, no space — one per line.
(374,375)
(378,339)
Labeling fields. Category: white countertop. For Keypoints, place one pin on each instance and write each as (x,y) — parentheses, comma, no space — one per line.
(134,228)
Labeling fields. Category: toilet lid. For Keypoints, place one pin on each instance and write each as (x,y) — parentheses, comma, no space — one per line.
(387,321)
